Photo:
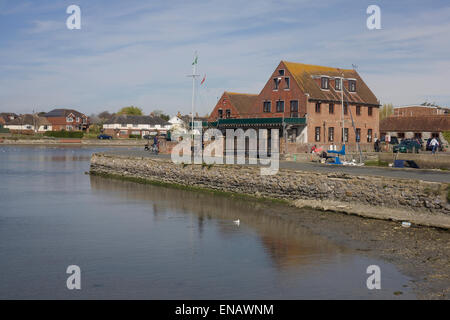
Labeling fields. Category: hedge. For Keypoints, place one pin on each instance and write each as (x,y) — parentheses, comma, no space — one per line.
(64,134)
(4,130)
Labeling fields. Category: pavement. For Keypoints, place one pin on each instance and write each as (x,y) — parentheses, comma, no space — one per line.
(406,173)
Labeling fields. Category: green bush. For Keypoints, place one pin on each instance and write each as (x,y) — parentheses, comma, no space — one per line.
(446,135)
(64,134)
(135,136)
(4,130)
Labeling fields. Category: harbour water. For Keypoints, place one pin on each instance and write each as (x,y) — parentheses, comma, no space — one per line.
(135,241)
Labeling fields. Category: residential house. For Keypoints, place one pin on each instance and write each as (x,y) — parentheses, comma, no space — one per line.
(5,117)
(67,120)
(122,126)
(29,124)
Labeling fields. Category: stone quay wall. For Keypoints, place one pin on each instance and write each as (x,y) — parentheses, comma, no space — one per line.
(417,201)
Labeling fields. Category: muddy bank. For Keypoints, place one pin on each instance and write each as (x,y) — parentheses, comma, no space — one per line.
(421,253)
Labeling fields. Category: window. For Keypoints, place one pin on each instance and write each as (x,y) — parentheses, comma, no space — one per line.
(369,135)
(69,119)
(288,82)
(337,84)
(331,108)
(280,106)
(369,111)
(358,135)
(45,127)
(418,135)
(317,135)
(352,85)
(78,119)
(276,83)
(330,134)
(228,113)
(358,110)
(294,108)
(401,135)
(69,128)
(281,72)
(345,134)
(324,82)
(317,107)
(266,106)
(345,108)
(220,113)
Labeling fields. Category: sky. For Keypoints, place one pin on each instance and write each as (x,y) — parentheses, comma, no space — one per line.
(140,52)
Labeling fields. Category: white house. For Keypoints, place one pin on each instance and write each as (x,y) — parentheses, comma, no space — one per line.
(123,126)
(29,123)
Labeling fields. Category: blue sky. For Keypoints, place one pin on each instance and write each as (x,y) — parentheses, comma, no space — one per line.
(139,52)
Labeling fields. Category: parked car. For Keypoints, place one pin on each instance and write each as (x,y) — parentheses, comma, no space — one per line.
(430,148)
(394,140)
(407,145)
(104,137)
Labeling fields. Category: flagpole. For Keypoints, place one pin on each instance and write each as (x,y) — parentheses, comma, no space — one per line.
(193,75)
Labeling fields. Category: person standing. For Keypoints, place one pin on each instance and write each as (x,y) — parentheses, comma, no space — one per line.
(434,145)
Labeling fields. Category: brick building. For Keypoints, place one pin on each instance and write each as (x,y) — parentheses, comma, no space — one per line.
(421,127)
(67,120)
(419,110)
(233,105)
(304,102)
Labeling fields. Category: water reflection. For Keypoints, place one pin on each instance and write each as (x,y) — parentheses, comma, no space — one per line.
(288,245)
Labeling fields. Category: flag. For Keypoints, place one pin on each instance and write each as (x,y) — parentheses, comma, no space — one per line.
(195,60)
(203,80)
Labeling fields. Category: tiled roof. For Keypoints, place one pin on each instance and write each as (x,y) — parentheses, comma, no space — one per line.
(130,119)
(416,124)
(58,113)
(304,73)
(243,102)
(29,119)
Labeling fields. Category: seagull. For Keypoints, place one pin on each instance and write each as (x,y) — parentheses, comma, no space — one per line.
(237,222)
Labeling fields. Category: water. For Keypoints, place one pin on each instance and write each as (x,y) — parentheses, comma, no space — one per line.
(136,241)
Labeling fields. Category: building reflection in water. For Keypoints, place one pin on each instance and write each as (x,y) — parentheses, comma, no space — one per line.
(288,244)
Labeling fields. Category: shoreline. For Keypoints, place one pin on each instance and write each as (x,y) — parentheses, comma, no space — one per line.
(336,192)
(75,142)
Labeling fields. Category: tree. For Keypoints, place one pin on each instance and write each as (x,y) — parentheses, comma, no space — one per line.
(105,115)
(131,110)
(161,114)
(386,111)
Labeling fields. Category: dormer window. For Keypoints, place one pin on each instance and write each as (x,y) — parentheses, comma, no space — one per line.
(325,82)
(352,85)
(337,84)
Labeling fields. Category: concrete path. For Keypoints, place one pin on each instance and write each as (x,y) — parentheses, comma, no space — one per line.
(416,174)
